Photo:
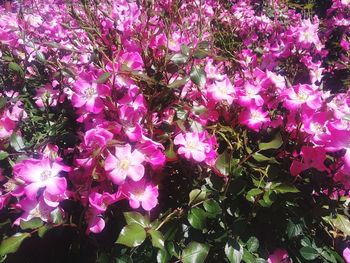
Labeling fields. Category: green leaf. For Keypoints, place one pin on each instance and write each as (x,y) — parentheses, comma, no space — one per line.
(198,76)
(195,253)
(17,68)
(252,244)
(212,207)
(17,142)
(33,223)
(196,196)
(274,144)
(136,217)
(253,193)
(56,216)
(341,223)
(262,158)
(185,50)
(40,56)
(132,235)
(103,78)
(179,59)
(285,188)
(11,244)
(157,238)
(178,83)
(3,155)
(197,218)
(124,259)
(234,251)
(163,256)
(294,228)
(222,163)
(308,253)
(42,230)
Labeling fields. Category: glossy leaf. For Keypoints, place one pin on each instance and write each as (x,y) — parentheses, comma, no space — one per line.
(132,235)
(234,251)
(11,244)
(195,253)
(157,238)
(198,76)
(197,218)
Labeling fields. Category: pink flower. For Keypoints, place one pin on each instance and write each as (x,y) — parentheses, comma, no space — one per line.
(140,193)
(222,90)
(6,127)
(95,221)
(300,95)
(124,163)
(192,146)
(41,173)
(254,118)
(97,137)
(279,256)
(89,94)
(346,255)
(312,157)
(100,202)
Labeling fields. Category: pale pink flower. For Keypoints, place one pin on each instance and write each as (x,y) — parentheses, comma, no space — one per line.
(346,255)
(140,193)
(192,145)
(222,91)
(41,173)
(124,163)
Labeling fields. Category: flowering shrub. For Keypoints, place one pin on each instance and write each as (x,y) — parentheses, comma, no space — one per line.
(175,131)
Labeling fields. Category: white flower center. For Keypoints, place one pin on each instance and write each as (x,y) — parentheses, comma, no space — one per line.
(90,92)
(45,175)
(124,164)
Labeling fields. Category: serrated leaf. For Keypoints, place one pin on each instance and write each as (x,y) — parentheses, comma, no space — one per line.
(308,253)
(33,223)
(132,235)
(252,244)
(195,253)
(136,217)
(198,76)
(212,207)
(11,244)
(197,218)
(341,223)
(274,144)
(234,251)
(157,238)
(179,59)
(196,196)
(3,155)
(103,78)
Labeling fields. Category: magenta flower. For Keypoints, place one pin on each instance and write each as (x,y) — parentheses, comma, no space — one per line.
(97,137)
(311,157)
(346,255)
(89,94)
(42,173)
(192,146)
(222,90)
(279,256)
(140,193)
(124,163)
(254,118)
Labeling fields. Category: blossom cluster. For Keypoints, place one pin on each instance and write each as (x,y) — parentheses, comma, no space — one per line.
(140,104)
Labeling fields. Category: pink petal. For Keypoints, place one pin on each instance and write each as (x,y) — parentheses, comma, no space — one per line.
(56,185)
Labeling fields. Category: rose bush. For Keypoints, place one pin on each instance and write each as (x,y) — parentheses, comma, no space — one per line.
(175,131)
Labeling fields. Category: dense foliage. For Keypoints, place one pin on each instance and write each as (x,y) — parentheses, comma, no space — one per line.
(175,131)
